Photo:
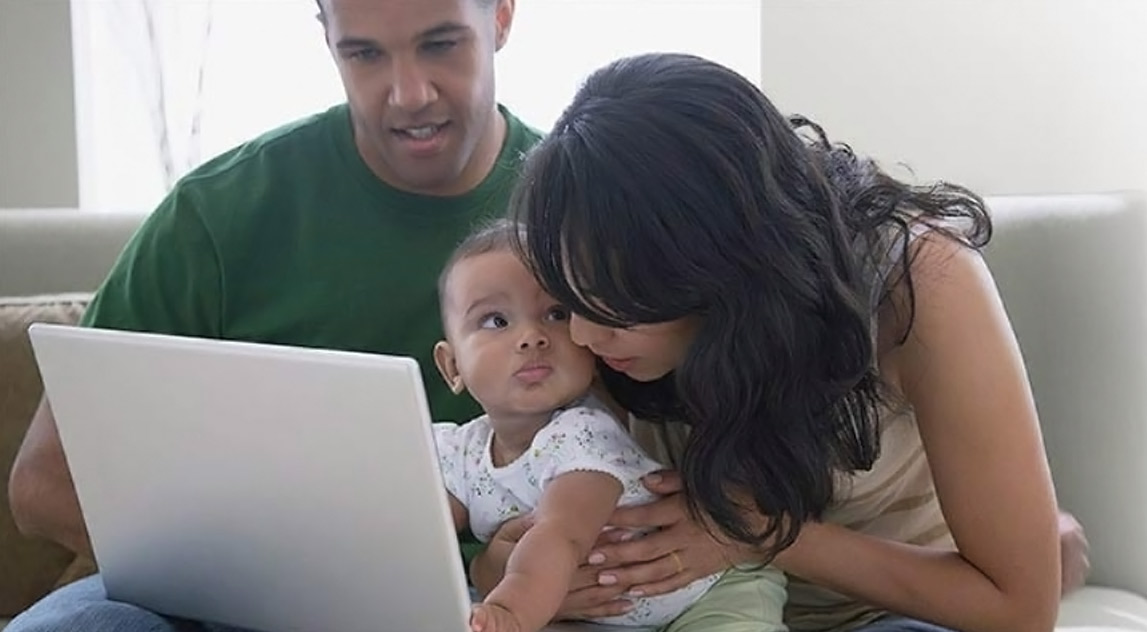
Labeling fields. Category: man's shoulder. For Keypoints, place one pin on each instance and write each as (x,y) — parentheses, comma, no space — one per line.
(521,135)
(270,170)
(301,142)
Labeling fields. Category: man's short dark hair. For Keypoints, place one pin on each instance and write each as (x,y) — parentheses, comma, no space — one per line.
(323,14)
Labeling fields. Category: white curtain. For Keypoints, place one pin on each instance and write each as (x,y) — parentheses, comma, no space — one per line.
(166,45)
(165,84)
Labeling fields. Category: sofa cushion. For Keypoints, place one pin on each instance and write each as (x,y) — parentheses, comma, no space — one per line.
(30,567)
(1097,609)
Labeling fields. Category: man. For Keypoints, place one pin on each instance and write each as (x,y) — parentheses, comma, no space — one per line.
(328,232)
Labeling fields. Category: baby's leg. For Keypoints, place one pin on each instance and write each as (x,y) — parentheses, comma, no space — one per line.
(742,601)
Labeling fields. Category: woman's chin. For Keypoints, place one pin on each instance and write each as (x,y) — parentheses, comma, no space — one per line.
(638,375)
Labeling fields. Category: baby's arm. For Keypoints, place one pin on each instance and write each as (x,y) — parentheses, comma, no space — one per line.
(458,511)
(448,442)
(569,517)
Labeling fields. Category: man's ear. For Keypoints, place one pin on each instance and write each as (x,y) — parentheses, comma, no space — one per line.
(321,18)
(447,367)
(503,20)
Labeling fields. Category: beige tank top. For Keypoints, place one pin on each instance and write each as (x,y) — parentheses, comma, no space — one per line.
(895,500)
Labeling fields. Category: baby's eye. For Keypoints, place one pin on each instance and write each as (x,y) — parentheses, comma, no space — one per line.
(558,314)
(493,321)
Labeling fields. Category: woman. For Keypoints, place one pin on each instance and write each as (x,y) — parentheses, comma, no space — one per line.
(856,404)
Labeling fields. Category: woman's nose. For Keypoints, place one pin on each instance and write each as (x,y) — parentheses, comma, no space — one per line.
(585,333)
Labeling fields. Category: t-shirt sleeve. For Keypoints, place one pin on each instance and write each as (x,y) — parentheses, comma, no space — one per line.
(589,439)
(167,279)
(449,440)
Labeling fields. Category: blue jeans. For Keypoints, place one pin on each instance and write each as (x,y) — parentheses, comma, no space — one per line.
(84,606)
(895,624)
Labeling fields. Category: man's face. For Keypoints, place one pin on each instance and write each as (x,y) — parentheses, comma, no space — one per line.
(419,77)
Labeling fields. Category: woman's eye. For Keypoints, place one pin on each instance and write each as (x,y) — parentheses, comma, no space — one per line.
(558,314)
(493,321)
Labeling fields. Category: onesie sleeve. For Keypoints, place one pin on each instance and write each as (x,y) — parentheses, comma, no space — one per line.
(586,438)
(449,441)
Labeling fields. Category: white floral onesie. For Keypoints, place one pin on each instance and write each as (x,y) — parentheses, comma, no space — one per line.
(584,436)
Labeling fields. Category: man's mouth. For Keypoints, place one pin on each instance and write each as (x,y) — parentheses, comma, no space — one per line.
(422,132)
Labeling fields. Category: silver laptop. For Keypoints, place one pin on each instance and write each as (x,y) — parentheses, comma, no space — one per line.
(262,486)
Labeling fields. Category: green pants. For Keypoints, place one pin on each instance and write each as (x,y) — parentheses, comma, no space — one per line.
(742,601)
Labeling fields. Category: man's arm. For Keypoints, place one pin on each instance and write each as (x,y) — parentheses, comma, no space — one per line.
(167,280)
(40,490)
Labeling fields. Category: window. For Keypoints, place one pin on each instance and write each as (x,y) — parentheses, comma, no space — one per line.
(163,84)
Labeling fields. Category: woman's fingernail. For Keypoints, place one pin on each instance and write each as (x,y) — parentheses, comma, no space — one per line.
(607,580)
(637,592)
(653,479)
(596,558)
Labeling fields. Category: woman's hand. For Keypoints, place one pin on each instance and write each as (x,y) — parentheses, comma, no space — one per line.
(675,554)
(1073,552)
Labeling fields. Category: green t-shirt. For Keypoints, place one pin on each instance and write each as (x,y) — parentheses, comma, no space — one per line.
(291,239)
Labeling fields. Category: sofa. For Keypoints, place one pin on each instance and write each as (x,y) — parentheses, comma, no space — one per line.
(1072,270)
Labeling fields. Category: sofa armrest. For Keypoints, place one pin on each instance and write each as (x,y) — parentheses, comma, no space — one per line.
(30,567)
(1072,270)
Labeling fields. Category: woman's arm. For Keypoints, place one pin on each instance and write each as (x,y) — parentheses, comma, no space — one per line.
(571,513)
(962,372)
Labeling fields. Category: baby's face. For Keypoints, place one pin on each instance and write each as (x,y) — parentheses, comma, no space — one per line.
(511,340)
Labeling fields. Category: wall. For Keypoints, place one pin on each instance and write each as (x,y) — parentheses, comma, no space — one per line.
(1007,96)
(1004,95)
(37,105)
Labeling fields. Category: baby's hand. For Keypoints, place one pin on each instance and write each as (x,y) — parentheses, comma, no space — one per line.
(491,617)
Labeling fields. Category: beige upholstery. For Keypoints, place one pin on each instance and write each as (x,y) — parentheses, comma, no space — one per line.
(1073,273)
(47,251)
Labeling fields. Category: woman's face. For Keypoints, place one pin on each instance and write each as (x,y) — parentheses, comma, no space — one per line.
(643,352)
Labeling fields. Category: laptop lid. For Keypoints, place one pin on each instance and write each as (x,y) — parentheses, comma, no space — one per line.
(268,487)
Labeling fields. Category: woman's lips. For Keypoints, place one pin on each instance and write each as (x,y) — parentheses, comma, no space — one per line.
(618,364)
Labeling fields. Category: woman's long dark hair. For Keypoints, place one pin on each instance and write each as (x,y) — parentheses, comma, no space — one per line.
(672,187)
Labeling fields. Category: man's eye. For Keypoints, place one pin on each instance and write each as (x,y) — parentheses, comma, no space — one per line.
(439,46)
(558,314)
(494,321)
(364,54)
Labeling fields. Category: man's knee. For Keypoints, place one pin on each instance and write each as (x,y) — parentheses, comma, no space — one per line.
(83,605)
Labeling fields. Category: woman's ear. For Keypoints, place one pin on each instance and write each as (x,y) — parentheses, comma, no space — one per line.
(447,367)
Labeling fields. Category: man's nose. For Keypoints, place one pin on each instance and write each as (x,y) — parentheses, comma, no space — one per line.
(411,89)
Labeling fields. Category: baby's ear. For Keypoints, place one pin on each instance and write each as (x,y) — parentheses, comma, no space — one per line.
(447,367)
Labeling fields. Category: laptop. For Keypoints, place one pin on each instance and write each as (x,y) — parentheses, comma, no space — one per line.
(268,487)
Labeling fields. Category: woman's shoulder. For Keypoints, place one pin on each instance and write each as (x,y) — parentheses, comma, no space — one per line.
(939,300)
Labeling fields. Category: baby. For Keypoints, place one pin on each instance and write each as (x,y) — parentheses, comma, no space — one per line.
(545,445)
